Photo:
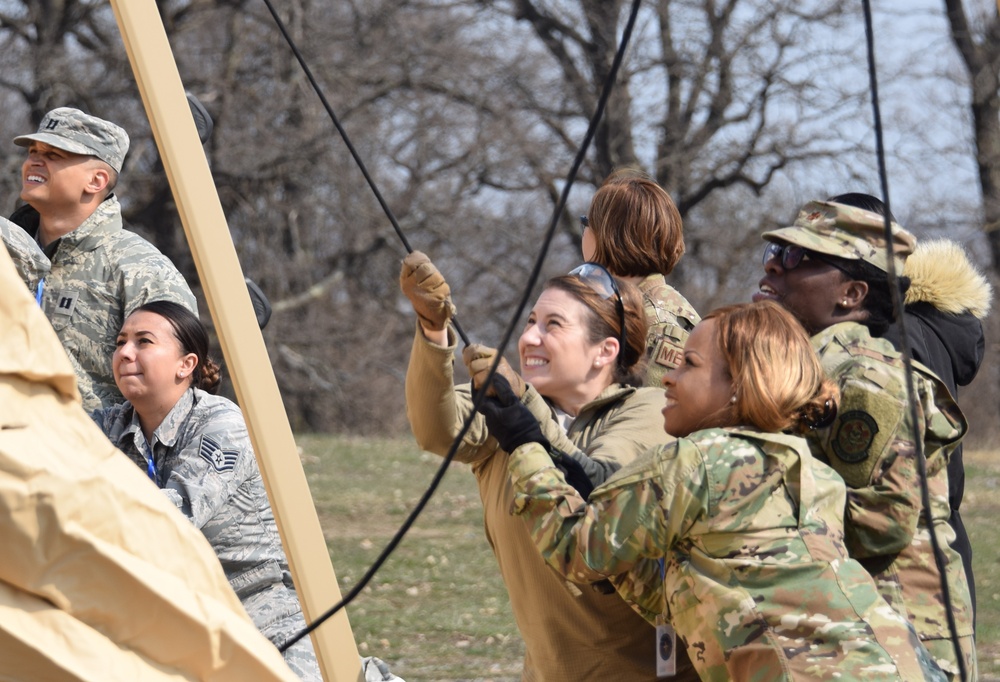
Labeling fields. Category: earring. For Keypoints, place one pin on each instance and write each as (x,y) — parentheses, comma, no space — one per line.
(733,399)
(844,303)
(597,363)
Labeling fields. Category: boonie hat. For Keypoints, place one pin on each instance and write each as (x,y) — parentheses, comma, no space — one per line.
(846,232)
(74,131)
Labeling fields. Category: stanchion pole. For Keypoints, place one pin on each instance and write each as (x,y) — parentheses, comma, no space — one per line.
(246,356)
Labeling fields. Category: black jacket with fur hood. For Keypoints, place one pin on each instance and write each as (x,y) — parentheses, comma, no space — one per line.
(945,305)
(947,300)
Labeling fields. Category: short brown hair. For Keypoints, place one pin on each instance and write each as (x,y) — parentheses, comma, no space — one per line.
(636,225)
(778,380)
(604,321)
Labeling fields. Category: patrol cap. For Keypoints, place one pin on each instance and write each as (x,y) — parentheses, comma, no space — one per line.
(846,232)
(74,131)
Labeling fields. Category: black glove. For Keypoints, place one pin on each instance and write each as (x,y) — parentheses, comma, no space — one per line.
(509,420)
(574,474)
(513,425)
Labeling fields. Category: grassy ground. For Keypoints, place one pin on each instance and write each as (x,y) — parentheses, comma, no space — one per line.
(438,611)
(981,513)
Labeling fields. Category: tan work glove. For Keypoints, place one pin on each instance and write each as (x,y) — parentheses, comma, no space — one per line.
(478,359)
(427,290)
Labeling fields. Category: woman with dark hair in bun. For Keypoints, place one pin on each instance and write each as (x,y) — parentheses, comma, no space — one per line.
(194,445)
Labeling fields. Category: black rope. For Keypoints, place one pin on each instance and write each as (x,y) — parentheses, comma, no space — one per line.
(898,304)
(479,396)
(350,147)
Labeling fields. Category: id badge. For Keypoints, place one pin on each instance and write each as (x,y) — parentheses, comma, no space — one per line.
(666,651)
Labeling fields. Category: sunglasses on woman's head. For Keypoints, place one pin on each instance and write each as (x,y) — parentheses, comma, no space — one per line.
(600,280)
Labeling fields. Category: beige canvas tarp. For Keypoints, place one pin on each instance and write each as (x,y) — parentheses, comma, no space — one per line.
(101,578)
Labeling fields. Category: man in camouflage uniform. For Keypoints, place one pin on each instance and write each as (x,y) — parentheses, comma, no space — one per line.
(829,269)
(69,246)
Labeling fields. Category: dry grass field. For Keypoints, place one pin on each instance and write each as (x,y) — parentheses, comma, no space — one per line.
(438,611)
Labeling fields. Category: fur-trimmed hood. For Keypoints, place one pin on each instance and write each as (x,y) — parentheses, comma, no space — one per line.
(941,274)
(945,304)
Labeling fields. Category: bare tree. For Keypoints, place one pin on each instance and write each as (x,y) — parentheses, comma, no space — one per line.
(978,42)
(468,114)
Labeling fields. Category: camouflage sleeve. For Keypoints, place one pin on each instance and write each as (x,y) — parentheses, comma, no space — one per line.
(642,587)
(208,469)
(28,258)
(664,351)
(626,520)
(147,275)
(871,444)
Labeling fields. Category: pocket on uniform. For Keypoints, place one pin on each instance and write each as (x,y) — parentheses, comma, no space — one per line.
(256,578)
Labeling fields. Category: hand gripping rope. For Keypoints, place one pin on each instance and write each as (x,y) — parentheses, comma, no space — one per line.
(536,270)
(508,333)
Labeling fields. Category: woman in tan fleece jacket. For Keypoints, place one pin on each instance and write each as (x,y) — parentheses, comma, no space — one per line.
(581,358)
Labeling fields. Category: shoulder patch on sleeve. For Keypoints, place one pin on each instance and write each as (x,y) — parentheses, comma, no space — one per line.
(666,345)
(856,432)
(863,433)
(212,452)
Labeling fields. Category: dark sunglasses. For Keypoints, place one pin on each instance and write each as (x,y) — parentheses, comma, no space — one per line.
(600,280)
(791,256)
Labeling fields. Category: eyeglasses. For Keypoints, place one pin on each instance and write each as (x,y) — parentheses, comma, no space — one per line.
(791,256)
(600,280)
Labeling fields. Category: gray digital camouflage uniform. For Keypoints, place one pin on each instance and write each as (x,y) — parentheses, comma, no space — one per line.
(98,275)
(671,319)
(872,444)
(755,579)
(205,465)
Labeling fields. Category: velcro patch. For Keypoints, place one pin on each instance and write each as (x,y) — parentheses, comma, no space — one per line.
(667,345)
(668,356)
(221,460)
(856,431)
(65,303)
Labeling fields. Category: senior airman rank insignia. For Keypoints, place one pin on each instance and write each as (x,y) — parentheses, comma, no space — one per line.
(221,460)
(855,434)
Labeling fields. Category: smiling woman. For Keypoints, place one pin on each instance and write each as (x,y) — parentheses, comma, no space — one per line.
(732,534)
(575,383)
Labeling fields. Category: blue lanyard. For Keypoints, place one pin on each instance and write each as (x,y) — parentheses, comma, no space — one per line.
(39,291)
(151,465)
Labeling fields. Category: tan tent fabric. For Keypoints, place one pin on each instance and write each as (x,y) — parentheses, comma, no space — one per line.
(101,577)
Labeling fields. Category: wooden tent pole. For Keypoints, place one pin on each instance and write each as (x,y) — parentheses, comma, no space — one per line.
(242,344)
